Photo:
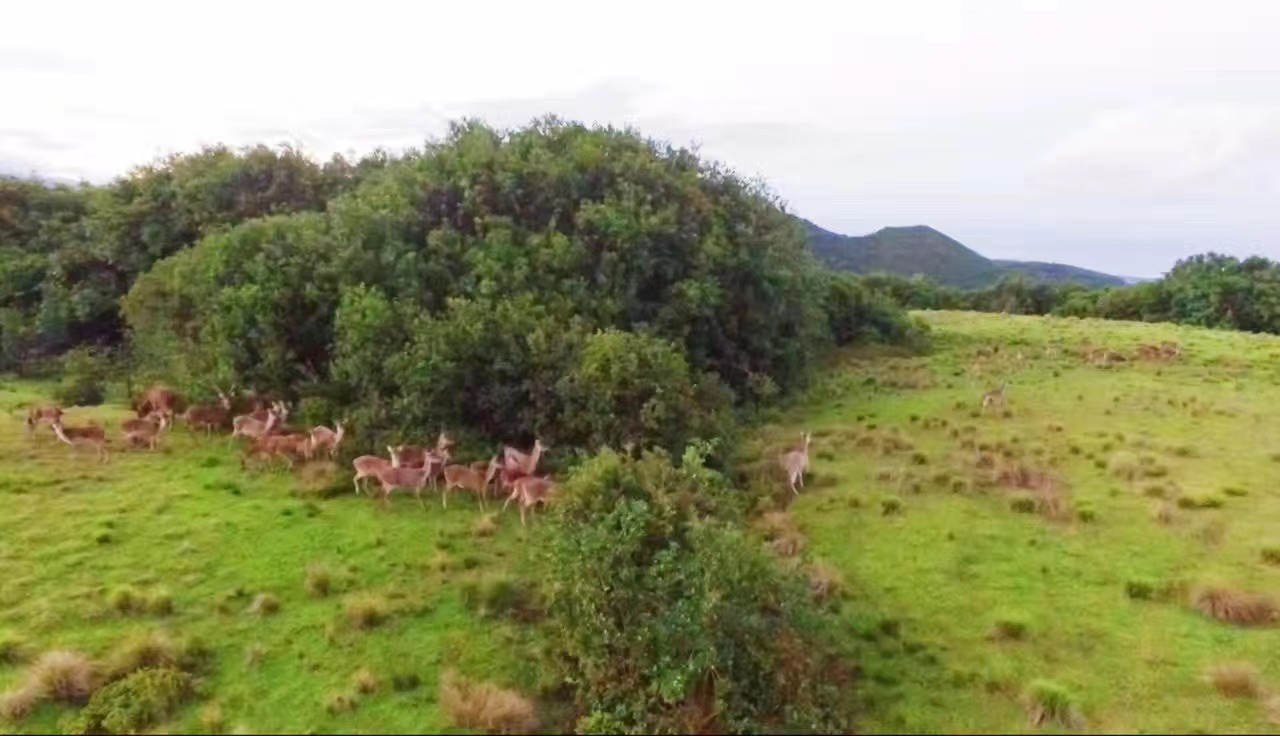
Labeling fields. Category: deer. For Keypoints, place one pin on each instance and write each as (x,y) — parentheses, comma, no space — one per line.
(291,447)
(368,466)
(37,415)
(529,491)
(157,398)
(1170,350)
(208,415)
(328,439)
(432,461)
(410,479)
(145,431)
(251,427)
(90,435)
(471,478)
(994,397)
(796,462)
(526,463)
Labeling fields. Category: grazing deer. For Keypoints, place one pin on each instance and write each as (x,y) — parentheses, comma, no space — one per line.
(328,439)
(41,415)
(526,463)
(209,415)
(145,431)
(291,447)
(796,463)
(253,428)
(994,398)
(410,479)
(368,466)
(90,435)
(471,478)
(157,398)
(530,491)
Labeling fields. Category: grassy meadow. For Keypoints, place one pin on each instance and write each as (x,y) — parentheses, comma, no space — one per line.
(1052,554)
(95,555)
(1043,558)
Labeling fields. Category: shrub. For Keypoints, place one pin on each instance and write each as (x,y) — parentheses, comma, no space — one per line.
(84,375)
(1200,501)
(890,506)
(919,458)
(1234,491)
(1270,554)
(264,604)
(1141,589)
(1229,605)
(1235,680)
(365,611)
(1156,490)
(1049,702)
(1023,504)
(135,702)
(485,707)
(405,681)
(319,580)
(959,485)
(1086,513)
(632,551)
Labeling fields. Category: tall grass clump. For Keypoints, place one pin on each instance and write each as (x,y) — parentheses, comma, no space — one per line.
(1230,605)
(1235,680)
(60,675)
(1048,702)
(485,707)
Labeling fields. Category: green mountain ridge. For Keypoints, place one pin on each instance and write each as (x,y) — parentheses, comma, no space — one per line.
(920,249)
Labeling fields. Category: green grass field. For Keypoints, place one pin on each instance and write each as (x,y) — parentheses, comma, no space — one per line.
(187,521)
(934,554)
(1060,540)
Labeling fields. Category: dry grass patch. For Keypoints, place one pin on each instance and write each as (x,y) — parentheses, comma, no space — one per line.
(1235,680)
(13,648)
(60,675)
(366,611)
(485,526)
(264,604)
(825,581)
(485,707)
(365,682)
(1230,605)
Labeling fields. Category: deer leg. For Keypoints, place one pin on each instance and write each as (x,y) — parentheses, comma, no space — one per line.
(522,513)
(418,494)
(444,497)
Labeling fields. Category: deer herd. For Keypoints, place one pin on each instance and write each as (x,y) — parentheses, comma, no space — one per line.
(263,429)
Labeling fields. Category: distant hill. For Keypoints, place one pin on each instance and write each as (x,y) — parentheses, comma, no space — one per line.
(920,249)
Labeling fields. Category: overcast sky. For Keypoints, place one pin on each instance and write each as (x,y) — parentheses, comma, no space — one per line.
(1116,135)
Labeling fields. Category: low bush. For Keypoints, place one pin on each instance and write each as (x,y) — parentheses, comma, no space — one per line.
(135,702)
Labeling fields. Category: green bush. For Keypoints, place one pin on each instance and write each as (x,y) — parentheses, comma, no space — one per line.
(84,374)
(637,570)
(500,595)
(135,702)
(1140,589)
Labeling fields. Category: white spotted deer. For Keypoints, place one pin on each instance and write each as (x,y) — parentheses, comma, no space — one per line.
(92,435)
(529,491)
(796,463)
(208,416)
(368,466)
(410,479)
(994,398)
(145,431)
(250,427)
(525,463)
(470,478)
(323,438)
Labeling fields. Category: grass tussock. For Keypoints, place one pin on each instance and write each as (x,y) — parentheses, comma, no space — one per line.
(13,648)
(500,595)
(366,611)
(60,675)
(825,581)
(339,702)
(1009,627)
(365,682)
(1230,605)
(319,580)
(155,650)
(1048,703)
(890,506)
(1125,466)
(1200,501)
(485,707)
(1235,680)
(485,526)
(264,604)
(1270,554)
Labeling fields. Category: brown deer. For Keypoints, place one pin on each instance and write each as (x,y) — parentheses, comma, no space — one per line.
(1170,350)
(327,439)
(526,463)
(995,397)
(796,462)
(208,416)
(470,478)
(290,447)
(368,466)
(413,456)
(146,431)
(37,415)
(529,491)
(157,398)
(91,435)
(410,479)
(432,461)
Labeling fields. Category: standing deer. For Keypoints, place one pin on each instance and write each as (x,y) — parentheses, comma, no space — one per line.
(37,415)
(253,428)
(91,435)
(994,398)
(368,466)
(530,491)
(471,478)
(157,398)
(526,463)
(409,456)
(145,431)
(796,463)
(328,439)
(410,479)
(291,447)
(208,415)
